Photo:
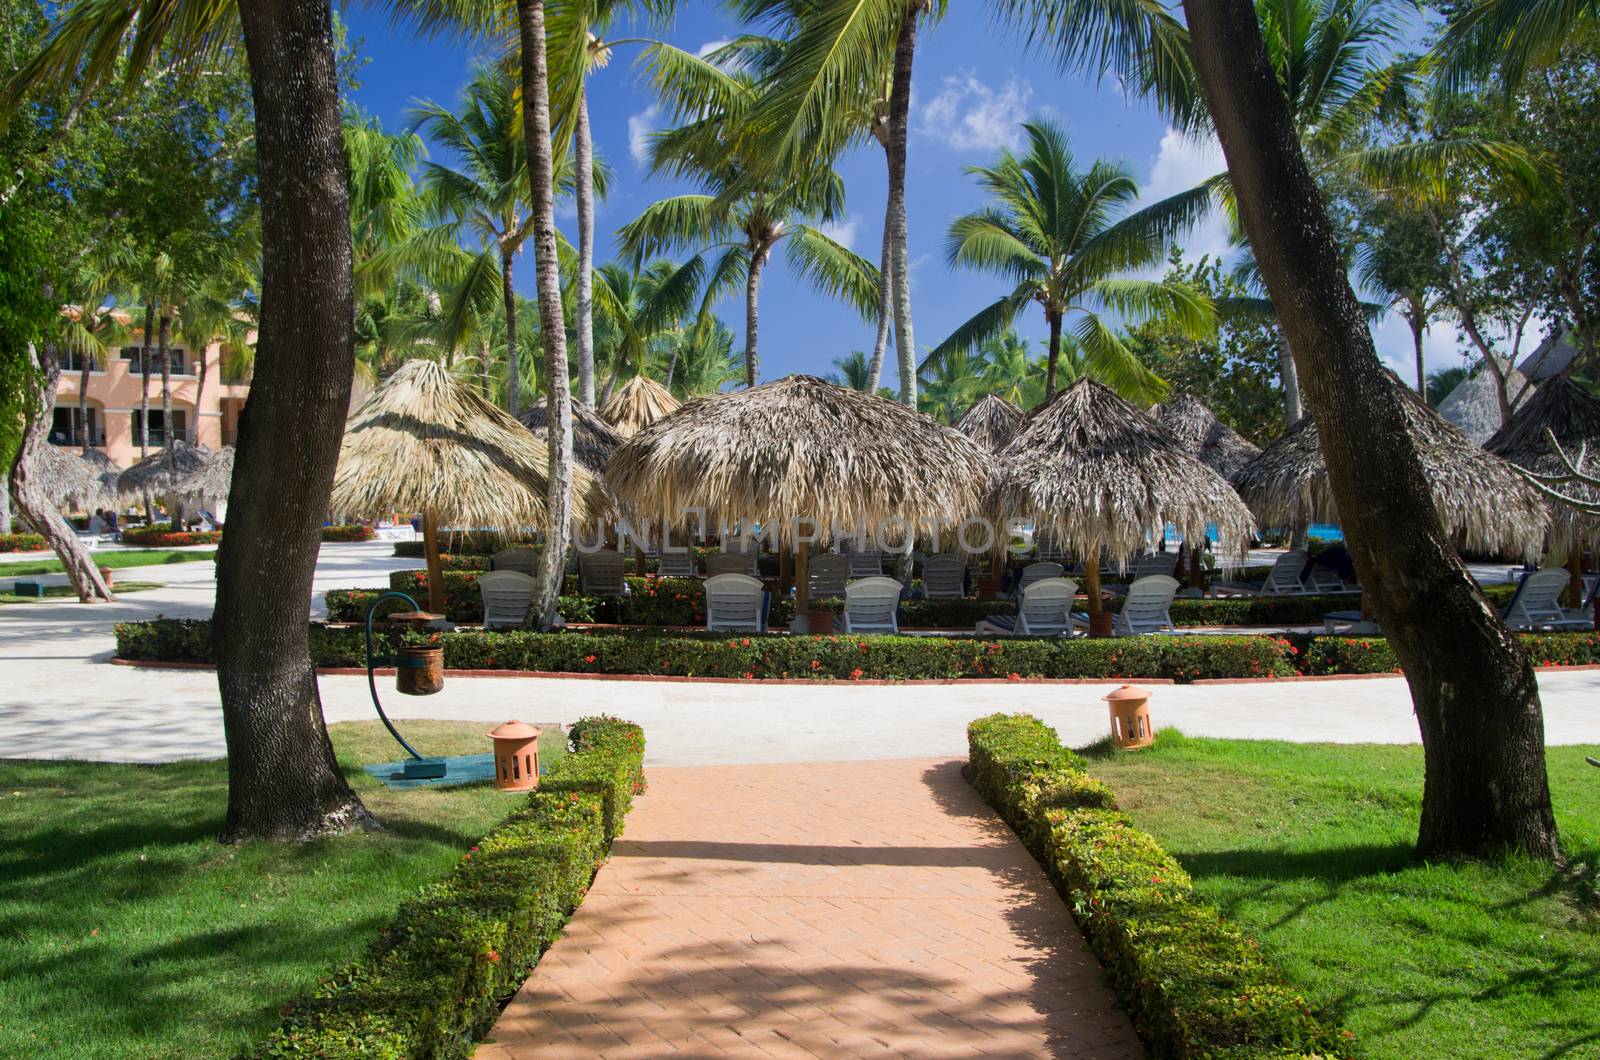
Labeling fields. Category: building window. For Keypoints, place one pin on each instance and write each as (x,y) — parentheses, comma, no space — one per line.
(177,357)
(69,428)
(158,430)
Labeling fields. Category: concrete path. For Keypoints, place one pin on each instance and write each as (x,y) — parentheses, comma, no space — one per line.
(816,910)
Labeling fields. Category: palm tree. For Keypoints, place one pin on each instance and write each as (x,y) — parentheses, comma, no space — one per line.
(1009,372)
(950,384)
(697,359)
(1062,235)
(853,371)
(1507,36)
(640,306)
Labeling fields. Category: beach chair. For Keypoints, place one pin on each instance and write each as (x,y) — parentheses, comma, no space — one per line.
(828,574)
(729,563)
(867,563)
(1146,609)
(678,563)
(746,549)
(871,605)
(736,603)
(1044,609)
(522,560)
(944,578)
(1035,572)
(1582,617)
(1286,576)
(506,596)
(1537,601)
(1046,547)
(1153,563)
(601,574)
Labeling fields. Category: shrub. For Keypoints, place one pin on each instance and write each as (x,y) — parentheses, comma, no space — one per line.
(433,983)
(162,535)
(1193,985)
(22,542)
(1372,655)
(348,532)
(467,543)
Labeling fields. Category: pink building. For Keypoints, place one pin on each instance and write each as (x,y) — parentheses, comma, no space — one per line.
(111,421)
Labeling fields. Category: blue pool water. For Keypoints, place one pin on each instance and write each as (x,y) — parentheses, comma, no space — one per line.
(1327,531)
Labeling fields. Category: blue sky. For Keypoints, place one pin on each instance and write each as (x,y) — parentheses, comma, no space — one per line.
(973,82)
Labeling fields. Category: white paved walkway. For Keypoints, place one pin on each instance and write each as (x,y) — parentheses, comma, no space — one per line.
(59,697)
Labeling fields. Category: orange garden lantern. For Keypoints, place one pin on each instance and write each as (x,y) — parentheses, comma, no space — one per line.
(1130,718)
(516,756)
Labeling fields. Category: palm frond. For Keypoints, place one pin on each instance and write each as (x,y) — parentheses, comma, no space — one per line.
(834,269)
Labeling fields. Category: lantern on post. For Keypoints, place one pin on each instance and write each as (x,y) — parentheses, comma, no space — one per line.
(1130,718)
(516,756)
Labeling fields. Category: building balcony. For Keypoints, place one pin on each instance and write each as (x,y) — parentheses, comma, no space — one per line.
(79,437)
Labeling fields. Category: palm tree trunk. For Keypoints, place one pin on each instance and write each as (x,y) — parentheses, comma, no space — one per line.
(1416,347)
(144,401)
(163,341)
(1054,320)
(513,368)
(83,400)
(584,157)
(672,365)
(880,345)
(552,329)
(752,315)
(1289,379)
(283,780)
(200,397)
(1472,684)
(899,113)
(36,505)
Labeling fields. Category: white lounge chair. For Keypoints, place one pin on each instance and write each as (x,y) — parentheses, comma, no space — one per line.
(1537,601)
(1035,572)
(746,549)
(867,563)
(1146,608)
(828,574)
(678,562)
(1043,610)
(522,560)
(736,603)
(601,574)
(506,596)
(871,605)
(1152,563)
(1286,578)
(729,563)
(944,578)
(1582,616)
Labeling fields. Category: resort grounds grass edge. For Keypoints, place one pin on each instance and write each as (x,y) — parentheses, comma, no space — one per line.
(1192,983)
(112,559)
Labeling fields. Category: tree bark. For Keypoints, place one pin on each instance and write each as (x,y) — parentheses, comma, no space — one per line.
(899,115)
(1417,327)
(199,399)
(584,157)
(880,345)
(33,503)
(1053,319)
(1289,379)
(163,342)
(513,367)
(144,400)
(1472,684)
(283,780)
(752,315)
(552,328)
(83,399)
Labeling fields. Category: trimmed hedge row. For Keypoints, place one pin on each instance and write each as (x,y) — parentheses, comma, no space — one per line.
(433,983)
(348,532)
(1192,983)
(1372,655)
(22,543)
(163,535)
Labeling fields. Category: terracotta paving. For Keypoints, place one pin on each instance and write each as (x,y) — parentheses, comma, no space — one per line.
(848,909)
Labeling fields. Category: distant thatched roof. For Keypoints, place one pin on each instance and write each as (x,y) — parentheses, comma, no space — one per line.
(1573,416)
(637,404)
(76,480)
(423,442)
(1207,438)
(212,480)
(1474,491)
(1091,468)
(800,448)
(1474,405)
(991,421)
(593,439)
(152,475)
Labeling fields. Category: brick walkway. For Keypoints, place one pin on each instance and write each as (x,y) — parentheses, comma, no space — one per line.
(850,909)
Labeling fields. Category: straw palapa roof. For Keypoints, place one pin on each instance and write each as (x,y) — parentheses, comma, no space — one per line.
(1091,468)
(991,421)
(800,448)
(1474,491)
(77,480)
(152,475)
(423,442)
(1207,438)
(1474,405)
(593,439)
(637,404)
(1570,413)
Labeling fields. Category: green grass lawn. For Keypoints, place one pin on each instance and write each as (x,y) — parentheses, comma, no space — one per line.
(53,591)
(115,559)
(127,930)
(1308,848)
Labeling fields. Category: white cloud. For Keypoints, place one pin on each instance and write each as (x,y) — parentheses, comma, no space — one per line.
(640,126)
(842,231)
(1179,164)
(969,115)
(712,45)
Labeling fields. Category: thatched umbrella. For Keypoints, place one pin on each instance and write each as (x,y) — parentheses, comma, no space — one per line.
(801,449)
(1209,440)
(77,480)
(154,474)
(1567,411)
(1474,405)
(593,439)
(422,442)
(1097,472)
(992,421)
(1477,494)
(637,404)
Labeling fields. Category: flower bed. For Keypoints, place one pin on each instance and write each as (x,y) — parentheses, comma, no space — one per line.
(434,982)
(164,536)
(348,532)
(22,543)
(1372,655)
(1193,985)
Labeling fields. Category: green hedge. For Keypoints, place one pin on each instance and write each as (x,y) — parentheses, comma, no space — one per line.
(22,543)
(1193,985)
(348,532)
(432,986)
(163,535)
(1372,655)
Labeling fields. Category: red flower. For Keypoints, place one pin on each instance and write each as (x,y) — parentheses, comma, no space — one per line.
(588,658)
(1013,676)
(473,849)
(494,956)
(750,676)
(815,665)
(855,675)
(745,642)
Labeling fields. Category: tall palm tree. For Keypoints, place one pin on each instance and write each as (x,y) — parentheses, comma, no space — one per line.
(1508,37)
(640,306)
(853,371)
(1009,372)
(1064,236)
(950,384)
(697,359)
